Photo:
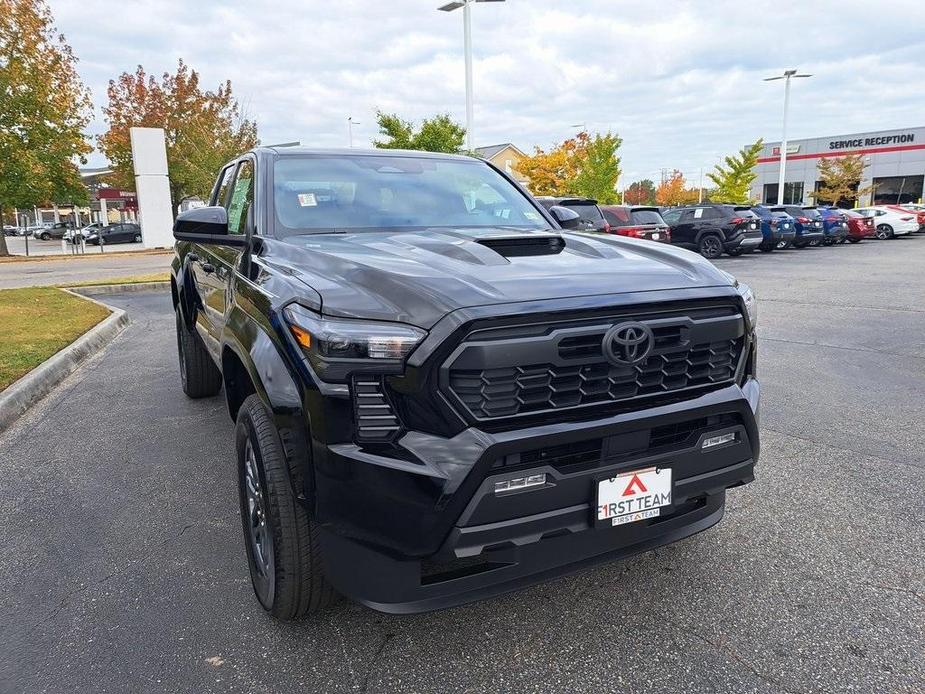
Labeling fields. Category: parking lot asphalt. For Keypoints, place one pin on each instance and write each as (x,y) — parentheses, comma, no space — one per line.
(124,569)
(80,269)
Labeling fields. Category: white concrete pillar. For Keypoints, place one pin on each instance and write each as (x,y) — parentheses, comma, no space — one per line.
(149,157)
(104,213)
(56,213)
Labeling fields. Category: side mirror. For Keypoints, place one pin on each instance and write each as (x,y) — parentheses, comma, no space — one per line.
(567,219)
(206,225)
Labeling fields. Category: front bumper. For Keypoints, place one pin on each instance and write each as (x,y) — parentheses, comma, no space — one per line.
(385,546)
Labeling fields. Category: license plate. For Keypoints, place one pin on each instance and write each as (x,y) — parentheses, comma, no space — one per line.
(633,496)
(656,236)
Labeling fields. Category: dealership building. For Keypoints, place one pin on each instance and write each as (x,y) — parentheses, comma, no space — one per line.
(895,166)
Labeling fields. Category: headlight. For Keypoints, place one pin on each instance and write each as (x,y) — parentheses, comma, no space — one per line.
(751,303)
(338,347)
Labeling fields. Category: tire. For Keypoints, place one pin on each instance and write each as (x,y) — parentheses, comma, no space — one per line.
(855,240)
(710,246)
(137,238)
(44,236)
(885,231)
(283,552)
(815,243)
(198,373)
(783,245)
(773,248)
(828,242)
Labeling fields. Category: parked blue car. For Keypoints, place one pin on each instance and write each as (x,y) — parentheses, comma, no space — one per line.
(834,223)
(809,228)
(777,227)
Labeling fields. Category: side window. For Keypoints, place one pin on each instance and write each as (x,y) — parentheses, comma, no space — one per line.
(221,191)
(671,216)
(242,197)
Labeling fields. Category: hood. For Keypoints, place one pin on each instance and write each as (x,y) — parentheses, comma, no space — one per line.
(418,277)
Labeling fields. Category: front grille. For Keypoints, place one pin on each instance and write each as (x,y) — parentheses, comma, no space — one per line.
(563,368)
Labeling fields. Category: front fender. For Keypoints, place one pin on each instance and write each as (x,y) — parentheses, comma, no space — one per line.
(280,392)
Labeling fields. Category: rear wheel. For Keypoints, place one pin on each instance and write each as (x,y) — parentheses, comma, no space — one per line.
(137,238)
(282,542)
(44,236)
(710,246)
(770,249)
(198,373)
(854,240)
(828,242)
(884,231)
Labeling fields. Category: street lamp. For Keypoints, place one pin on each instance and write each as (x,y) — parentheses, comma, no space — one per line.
(467,40)
(783,144)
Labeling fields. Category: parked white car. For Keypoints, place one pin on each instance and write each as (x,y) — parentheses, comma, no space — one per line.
(890,223)
(84,232)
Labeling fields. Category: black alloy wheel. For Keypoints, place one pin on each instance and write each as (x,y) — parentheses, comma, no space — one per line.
(710,247)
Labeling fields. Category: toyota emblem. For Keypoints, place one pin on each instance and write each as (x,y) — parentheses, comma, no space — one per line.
(626,344)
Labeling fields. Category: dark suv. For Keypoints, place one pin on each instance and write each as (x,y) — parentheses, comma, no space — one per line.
(712,229)
(441,395)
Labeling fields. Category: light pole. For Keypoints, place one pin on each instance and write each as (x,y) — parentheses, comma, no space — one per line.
(467,41)
(783,143)
(350,124)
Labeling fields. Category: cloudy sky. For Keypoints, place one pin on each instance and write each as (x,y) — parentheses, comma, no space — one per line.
(680,82)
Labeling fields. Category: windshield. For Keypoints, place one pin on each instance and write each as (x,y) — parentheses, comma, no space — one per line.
(588,211)
(357,192)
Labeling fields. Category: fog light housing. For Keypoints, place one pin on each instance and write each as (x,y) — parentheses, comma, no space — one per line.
(519,483)
(714,441)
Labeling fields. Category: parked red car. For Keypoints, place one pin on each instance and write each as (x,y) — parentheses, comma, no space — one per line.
(637,222)
(859,226)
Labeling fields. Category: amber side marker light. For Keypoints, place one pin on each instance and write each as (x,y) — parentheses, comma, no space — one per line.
(303,337)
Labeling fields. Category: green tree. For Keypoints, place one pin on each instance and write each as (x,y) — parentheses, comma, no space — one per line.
(44,109)
(203,129)
(840,180)
(582,165)
(437,134)
(599,169)
(733,178)
(640,193)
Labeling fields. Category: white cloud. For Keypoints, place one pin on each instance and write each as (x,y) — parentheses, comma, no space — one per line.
(679,81)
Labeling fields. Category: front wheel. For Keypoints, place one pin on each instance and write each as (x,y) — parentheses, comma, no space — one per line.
(710,246)
(283,553)
(44,236)
(884,231)
(137,238)
(198,373)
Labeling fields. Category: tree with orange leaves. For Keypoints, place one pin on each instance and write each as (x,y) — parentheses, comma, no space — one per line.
(44,109)
(673,191)
(203,129)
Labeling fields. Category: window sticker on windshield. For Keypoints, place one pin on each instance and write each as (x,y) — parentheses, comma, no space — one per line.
(307,200)
(698,213)
(534,216)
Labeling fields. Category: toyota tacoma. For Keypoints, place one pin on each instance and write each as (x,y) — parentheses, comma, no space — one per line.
(440,391)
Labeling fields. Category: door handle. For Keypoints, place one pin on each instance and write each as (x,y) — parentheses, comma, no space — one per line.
(193,258)
(208,268)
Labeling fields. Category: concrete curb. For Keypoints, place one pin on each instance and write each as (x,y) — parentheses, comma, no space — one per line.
(24,393)
(101,289)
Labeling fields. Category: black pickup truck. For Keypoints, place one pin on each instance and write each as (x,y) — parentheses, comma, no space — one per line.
(439,393)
